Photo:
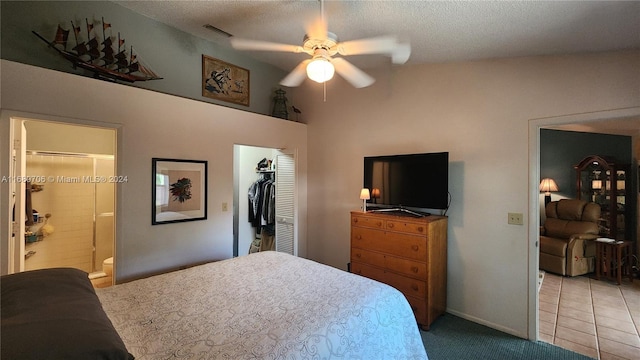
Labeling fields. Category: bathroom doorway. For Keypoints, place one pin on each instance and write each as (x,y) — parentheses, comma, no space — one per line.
(71,196)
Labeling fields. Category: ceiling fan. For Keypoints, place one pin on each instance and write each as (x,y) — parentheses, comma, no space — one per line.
(323,46)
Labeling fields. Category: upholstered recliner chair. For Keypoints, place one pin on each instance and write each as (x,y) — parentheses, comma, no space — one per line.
(567,239)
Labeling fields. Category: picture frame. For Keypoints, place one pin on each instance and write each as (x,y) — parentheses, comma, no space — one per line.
(178,191)
(224,81)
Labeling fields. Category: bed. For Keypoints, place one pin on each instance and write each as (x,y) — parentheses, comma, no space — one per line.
(266,305)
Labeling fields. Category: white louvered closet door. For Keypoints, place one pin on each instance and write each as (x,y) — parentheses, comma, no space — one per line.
(285,197)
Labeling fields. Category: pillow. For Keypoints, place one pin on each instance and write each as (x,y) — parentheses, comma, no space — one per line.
(55,314)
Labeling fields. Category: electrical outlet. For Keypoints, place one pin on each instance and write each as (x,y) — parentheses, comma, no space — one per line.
(225,206)
(515,219)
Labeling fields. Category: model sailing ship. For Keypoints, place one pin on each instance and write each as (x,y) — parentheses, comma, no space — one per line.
(100,57)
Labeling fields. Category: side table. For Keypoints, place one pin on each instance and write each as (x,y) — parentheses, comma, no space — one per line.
(609,260)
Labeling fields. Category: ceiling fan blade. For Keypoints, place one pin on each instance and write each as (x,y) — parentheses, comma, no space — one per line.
(317,29)
(377,45)
(297,76)
(401,54)
(352,74)
(247,44)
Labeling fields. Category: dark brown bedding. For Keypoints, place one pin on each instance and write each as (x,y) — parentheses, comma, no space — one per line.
(55,314)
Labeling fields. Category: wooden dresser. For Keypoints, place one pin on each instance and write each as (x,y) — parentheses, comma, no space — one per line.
(407,253)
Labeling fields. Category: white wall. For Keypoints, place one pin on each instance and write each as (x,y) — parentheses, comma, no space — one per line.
(479,112)
(150,124)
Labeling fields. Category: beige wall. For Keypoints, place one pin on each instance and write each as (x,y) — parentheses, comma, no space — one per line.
(56,137)
(150,124)
(480,113)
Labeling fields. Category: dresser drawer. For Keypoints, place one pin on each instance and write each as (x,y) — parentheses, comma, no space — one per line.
(368,271)
(406,227)
(406,285)
(409,246)
(365,221)
(365,238)
(419,308)
(414,269)
(368,257)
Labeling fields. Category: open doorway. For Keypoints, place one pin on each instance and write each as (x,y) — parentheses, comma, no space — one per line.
(535,198)
(68,205)
(257,225)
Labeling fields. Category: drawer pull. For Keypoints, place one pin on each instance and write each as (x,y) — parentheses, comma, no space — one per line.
(379,223)
(358,255)
(359,237)
(420,229)
(414,247)
(355,220)
(414,287)
(390,225)
(413,268)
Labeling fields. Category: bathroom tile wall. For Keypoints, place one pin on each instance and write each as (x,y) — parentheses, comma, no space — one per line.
(70,201)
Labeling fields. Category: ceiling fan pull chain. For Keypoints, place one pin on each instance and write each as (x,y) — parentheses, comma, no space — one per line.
(324,91)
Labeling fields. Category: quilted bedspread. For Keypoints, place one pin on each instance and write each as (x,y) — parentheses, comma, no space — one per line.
(266,305)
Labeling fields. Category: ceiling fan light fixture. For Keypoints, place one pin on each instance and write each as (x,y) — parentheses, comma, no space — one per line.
(320,69)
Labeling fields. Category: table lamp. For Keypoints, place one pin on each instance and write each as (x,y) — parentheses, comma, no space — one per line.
(547,185)
(364,196)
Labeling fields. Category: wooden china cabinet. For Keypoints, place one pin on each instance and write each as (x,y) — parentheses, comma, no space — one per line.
(603,180)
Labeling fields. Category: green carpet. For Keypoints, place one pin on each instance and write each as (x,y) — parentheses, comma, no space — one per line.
(451,337)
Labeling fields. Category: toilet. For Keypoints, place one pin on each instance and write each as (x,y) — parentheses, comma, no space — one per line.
(107,266)
(103,278)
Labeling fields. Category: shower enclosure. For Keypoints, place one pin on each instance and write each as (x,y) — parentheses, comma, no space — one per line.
(73,190)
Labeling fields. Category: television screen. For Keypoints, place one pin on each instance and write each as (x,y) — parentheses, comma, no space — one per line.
(418,181)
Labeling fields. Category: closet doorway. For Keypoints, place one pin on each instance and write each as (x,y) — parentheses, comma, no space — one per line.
(71,196)
(264,200)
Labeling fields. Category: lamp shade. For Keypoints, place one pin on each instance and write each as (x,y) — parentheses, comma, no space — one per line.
(548,185)
(364,194)
(320,69)
(375,193)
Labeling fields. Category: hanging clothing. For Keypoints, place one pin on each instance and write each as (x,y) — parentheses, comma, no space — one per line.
(261,197)
(269,203)
(262,212)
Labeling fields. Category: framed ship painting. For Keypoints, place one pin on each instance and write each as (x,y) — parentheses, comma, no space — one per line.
(179,190)
(224,81)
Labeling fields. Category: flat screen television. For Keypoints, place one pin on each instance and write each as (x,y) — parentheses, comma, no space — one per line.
(413,181)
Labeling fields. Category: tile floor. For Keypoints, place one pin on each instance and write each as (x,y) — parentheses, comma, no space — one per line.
(596,318)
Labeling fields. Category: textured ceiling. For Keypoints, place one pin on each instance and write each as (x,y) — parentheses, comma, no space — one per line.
(438,31)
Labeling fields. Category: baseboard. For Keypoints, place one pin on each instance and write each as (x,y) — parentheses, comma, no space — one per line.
(488,324)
